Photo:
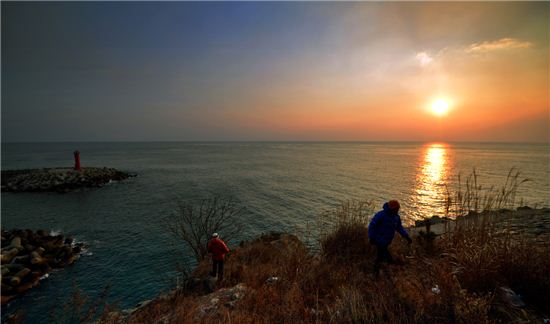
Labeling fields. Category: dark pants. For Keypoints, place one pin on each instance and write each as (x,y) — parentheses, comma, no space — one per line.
(383,255)
(217,268)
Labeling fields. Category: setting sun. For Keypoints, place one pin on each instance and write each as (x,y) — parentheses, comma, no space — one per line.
(440,107)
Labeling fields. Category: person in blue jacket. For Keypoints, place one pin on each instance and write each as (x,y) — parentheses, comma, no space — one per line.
(382,229)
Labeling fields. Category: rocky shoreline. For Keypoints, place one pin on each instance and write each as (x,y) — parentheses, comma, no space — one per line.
(60,180)
(28,256)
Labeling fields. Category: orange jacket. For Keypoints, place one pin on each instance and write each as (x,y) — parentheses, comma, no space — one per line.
(218,249)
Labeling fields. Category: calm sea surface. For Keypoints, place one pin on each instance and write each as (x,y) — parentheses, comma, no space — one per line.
(283,186)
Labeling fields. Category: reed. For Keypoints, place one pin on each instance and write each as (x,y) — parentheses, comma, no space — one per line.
(472,197)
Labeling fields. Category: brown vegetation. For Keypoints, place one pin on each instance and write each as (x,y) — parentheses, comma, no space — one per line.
(459,280)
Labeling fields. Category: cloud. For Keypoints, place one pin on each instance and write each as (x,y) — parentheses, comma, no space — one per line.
(424,58)
(503,43)
(453,53)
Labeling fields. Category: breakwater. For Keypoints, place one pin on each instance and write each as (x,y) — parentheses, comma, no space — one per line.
(28,256)
(58,179)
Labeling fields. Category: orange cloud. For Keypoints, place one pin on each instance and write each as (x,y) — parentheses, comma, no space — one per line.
(503,43)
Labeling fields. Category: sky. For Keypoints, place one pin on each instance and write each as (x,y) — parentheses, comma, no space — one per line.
(275,71)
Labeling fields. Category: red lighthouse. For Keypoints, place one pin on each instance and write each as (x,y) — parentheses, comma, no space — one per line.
(77,160)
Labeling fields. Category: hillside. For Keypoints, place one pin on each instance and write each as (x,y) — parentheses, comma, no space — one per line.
(480,269)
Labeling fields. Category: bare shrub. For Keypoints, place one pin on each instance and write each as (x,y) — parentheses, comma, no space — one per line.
(194,222)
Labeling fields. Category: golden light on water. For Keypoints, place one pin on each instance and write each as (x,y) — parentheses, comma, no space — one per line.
(434,163)
(433,172)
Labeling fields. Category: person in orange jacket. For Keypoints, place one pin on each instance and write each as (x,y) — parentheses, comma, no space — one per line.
(218,249)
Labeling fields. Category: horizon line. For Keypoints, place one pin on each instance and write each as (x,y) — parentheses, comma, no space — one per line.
(278,141)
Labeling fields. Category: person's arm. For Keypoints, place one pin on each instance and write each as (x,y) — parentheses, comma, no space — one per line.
(402,230)
(225,247)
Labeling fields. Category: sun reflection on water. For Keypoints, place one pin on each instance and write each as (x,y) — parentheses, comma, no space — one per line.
(432,176)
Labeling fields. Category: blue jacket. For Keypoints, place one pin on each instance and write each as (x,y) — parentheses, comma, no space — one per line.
(383,225)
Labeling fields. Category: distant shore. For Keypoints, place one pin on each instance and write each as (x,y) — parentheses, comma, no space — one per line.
(60,180)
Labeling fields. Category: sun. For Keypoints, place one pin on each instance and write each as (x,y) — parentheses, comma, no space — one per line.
(440,107)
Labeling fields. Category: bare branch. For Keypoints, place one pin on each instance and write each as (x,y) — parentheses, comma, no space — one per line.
(194,222)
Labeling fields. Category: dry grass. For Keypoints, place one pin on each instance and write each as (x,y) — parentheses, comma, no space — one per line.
(337,285)
(471,196)
(484,258)
(344,236)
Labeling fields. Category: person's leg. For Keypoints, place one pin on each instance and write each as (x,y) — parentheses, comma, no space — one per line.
(214,268)
(220,270)
(379,258)
(387,255)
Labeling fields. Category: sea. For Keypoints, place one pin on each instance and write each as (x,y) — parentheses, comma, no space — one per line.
(281,186)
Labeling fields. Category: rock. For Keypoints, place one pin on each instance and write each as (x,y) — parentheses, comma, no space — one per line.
(272,280)
(32,256)
(16,242)
(431,221)
(13,267)
(22,259)
(511,298)
(16,279)
(23,288)
(6,298)
(8,255)
(143,303)
(29,248)
(225,297)
(287,243)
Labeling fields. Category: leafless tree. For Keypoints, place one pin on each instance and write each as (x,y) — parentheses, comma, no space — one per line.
(194,222)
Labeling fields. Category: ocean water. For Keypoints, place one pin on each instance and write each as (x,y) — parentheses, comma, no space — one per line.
(282,186)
